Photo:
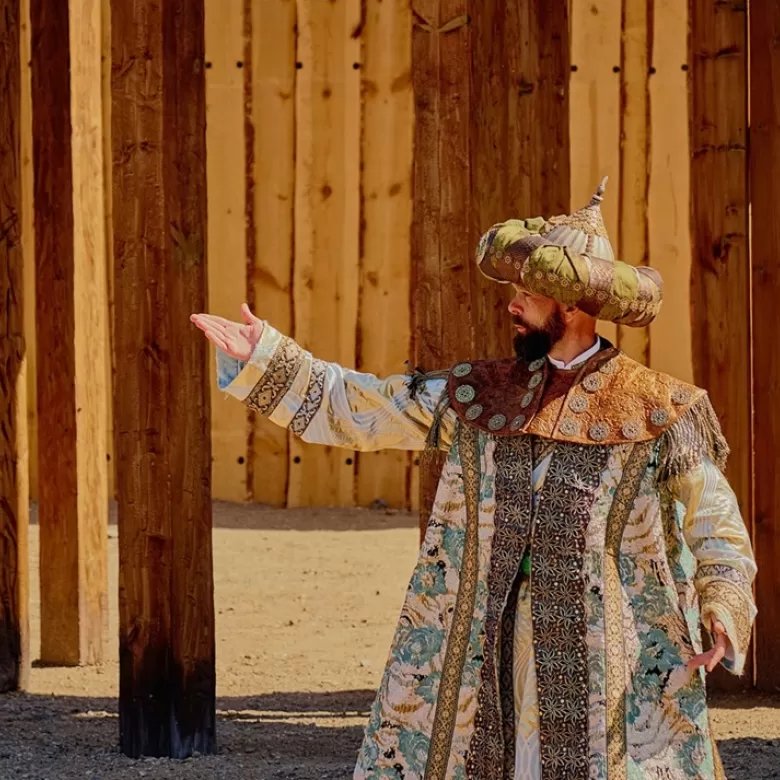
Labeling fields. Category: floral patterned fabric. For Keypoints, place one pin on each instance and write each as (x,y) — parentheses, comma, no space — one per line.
(626,568)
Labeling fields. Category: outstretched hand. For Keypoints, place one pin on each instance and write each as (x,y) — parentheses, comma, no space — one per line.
(237,339)
(712,657)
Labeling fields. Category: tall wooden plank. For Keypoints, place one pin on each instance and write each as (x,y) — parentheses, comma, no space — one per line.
(536,52)
(384,326)
(668,207)
(227,234)
(456,266)
(166,644)
(491,184)
(539,105)
(491,142)
(14,621)
(28,249)
(594,116)
(325,290)
(632,241)
(70,328)
(269,72)
(765,251)
(427,315)
(108,202)
(720,271)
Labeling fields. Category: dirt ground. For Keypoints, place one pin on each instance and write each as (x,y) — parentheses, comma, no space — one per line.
(306,605)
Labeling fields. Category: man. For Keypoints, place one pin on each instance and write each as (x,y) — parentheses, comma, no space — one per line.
(582,532)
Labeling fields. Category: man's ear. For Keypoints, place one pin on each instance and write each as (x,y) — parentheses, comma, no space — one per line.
(569,313)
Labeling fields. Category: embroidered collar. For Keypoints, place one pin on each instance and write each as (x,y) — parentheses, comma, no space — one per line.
(612,400)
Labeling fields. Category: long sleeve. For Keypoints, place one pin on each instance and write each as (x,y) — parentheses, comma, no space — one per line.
(324,403)
(717,536)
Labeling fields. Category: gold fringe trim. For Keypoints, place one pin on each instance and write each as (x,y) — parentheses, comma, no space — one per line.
(696,435)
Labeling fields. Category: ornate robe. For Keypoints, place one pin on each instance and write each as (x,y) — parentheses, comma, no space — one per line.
(582,534)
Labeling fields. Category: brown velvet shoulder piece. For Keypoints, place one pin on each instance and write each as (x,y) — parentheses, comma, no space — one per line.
(611,399)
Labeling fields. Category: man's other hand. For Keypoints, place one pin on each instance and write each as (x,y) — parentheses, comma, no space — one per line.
(712,657)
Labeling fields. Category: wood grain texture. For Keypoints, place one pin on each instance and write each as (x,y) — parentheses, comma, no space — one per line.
(594,111)
(427,315)
(632,244)
(167,678)
(384,326)
(14,519)
(227,233)
(108,207)
(491,142)
(71,328)
(327,201)
(765,254)
(193,700)
(720,272)
(269,73)
(28,248)
(668,206)
(538,52)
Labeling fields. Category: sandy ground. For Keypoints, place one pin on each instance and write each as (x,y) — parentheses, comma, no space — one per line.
(306,606)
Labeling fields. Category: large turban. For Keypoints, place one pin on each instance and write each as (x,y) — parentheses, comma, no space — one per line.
(570,259)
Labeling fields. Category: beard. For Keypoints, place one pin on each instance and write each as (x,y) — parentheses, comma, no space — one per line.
(537,341)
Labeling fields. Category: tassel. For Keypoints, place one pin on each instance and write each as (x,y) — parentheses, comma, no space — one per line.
(434,434)
(418,378)
(696,435)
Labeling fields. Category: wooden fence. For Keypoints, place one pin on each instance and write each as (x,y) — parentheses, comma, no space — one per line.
(310,153)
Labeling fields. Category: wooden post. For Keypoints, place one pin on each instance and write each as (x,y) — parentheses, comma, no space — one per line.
(14,628)
(166,643)
(720,273)
(71,328)
(491,142)
(765,257)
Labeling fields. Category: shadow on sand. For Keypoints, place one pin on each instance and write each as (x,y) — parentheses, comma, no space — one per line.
(296,736)
(258,517)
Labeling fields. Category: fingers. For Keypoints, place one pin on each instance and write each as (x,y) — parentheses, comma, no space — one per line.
(717,654)
(217,341)
(699,660)
(215,332)
(711,658)
(246,314)
(213,319)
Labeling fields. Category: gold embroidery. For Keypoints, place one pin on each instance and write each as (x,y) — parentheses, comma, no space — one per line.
(634,402)
(460,630)
(487,750)
(558,609)
(722,600)
(282,369)
(314,394)
(586,221)
(613,609)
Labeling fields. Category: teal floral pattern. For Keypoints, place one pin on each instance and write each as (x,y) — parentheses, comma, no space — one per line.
(666,728)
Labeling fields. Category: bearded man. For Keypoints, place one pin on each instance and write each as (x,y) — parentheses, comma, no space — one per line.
(583,531)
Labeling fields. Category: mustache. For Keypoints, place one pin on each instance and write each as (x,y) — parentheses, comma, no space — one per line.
(516,320)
